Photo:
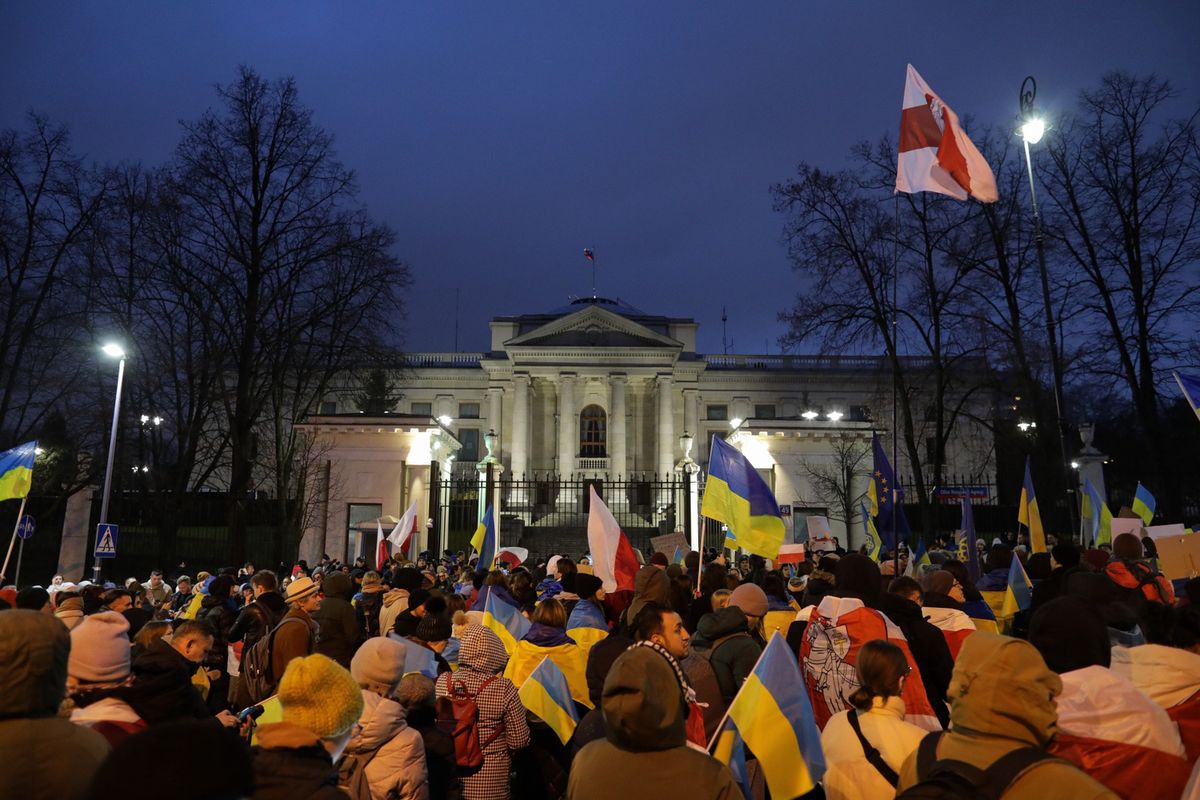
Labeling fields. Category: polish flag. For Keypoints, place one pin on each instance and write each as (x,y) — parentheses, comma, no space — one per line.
(401,535)
(790,554)
(935,153)
(613,558)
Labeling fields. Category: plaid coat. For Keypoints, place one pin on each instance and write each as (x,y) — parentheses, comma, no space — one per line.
(480,657)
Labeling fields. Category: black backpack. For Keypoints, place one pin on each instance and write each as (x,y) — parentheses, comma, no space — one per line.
(257,679)
(948,779)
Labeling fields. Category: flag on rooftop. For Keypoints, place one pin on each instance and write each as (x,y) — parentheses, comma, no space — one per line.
(16,471)
(1190,386)
(505,621)
(588,254)
(1028,514)
(1143,504)
(935,154)
(483,542)
(772,716)
(546,693)
(738,496)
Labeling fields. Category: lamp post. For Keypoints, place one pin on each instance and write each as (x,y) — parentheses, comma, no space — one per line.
(1032,130)
(112,351)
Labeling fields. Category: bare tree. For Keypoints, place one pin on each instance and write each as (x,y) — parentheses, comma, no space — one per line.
(839,482)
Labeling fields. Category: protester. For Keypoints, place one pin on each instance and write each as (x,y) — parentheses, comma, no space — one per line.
(902,605)
(42,756)
(157,591)
(752,601)
(369,603)
(151,631)
(645,754)
(502,726)
(163,689)
(712,579)
(394,753)
(258,618)
(290,638)
(182,596)
(404,581)
(34,598)
(416,694)
(724,637)
(294,758)
(586,624)
(420,603)
(662,630)
(856,739)
(70,609)
(433,633)
(97,671)
(340,634)
(1140,581)
(942,605)
(1002,700)
(547,638)
(650,585)
(781,612)
(218,609)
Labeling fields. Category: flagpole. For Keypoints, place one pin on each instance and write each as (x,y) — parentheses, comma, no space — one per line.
(895,381)
(13,540)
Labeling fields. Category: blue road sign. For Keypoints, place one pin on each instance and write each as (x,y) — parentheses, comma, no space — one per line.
(106,540)
(25,527)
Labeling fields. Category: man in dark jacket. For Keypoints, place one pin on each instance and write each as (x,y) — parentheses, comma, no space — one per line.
(902,605)
(258,618)
(219,610)
(725,636)
(340,634)
(182,596)
(162,689)
(1065,561)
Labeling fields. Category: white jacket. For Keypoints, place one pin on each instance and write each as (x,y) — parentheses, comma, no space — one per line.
(1168,675)
(848,774)
(399,762)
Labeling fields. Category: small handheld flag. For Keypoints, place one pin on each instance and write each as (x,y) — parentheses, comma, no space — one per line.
(16,471)
(738,496)
(546,693)
(505,621)
(874,543)
(1143,504)
(1028,514)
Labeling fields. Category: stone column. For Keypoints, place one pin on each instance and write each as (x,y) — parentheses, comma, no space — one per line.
(666,426)
(567,424)
(617,451)
(691,403)
(494,418)
(519,441)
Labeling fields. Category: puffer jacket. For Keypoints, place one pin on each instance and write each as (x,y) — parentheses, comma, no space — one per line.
(397,770)
(291,763)
(394,602)
(734,658)
(848,774)
(340,634)
(42,757)
(1002,699)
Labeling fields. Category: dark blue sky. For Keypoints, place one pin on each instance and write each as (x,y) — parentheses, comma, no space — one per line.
(499,139)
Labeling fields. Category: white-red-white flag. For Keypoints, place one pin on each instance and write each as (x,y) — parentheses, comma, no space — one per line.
(401,535)
(613,559)
(935,153)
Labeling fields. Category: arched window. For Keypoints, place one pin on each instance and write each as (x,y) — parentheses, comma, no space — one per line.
(593,433)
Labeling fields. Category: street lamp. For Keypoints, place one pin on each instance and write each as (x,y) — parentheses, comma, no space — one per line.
(1032,130)
(111,350)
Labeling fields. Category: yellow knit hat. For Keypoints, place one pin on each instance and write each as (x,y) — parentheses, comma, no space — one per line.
(320,695)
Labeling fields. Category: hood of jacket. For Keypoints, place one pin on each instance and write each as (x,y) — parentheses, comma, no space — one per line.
(273,601)
(722,622)
(643,704)
(394,596)
(481,650)
(338,584)
(33,663)
(546,636)
(899,610)
(1001,688)
(381,720)
(290,761)
(1168,675)
(939,600)
(650,586)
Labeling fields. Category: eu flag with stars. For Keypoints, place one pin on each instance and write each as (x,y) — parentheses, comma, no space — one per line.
(885,494)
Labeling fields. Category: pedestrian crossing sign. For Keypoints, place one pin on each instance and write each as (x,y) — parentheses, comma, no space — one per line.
(106,540)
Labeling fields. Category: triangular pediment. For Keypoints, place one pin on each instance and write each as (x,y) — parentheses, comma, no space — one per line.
(593,327)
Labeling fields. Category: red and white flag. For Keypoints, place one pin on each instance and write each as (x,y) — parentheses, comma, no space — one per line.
(935,153)
(613,559)
(790,554)
(955,626)
(401,535)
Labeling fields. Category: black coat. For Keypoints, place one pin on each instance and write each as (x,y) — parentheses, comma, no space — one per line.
(928,646)
(257,619)
(300,773)
(217,613)
(162,689)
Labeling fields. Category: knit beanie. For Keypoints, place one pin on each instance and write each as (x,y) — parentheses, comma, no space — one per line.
(100,648)
(320,695)
(939,581)
(434,628)
(378,665)
(1127,547)
(1070,634)
(751,599)
(659,559)
(586,585)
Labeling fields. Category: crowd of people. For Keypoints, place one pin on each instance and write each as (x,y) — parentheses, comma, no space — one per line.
(400,682)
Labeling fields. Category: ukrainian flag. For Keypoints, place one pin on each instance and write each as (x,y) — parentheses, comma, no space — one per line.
(484,540)
(1143,504)
(1190,386)
(920,558)
(586,625)
(874,543)
(737,495)
(1019,594)
(546,693)
(772,715)
(1095,509)
(730,750)
(16,471)
(505,621)
(1028,514)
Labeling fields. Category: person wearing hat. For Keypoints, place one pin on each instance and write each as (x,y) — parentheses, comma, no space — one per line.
(726,634)
(297,633)
(340,634)
(70,609)
(321,703)
(404,581)
(433,633)
(586,624)
(368,604)
(97,670)
(396,752)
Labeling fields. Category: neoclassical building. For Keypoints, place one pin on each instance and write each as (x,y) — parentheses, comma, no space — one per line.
(601,389)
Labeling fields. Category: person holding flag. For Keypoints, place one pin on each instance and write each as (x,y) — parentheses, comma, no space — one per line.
(736,495)
(547,638)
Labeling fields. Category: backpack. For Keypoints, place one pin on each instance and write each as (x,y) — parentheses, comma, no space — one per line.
(352,775)
(257,679)
(948,779)
(458,716)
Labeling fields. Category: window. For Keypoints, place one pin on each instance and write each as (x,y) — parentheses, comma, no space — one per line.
(422,409)
(764,411)
(362,542)
(470,445)
(718,412)
(593,433)
(329,407)
(860,414)
(468,410)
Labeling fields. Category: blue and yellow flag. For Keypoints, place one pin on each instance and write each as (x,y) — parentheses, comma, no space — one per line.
(772,715)
(546,693)
(1143,504)
(885,495)
(505,621)
(1028,514)
(587,625)
(483,541)
(1096,510)
(738,496)
(1190,386)
(968,527)
(919,558)
(1019,594)
(730,750)
(874,543)
(16,471)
